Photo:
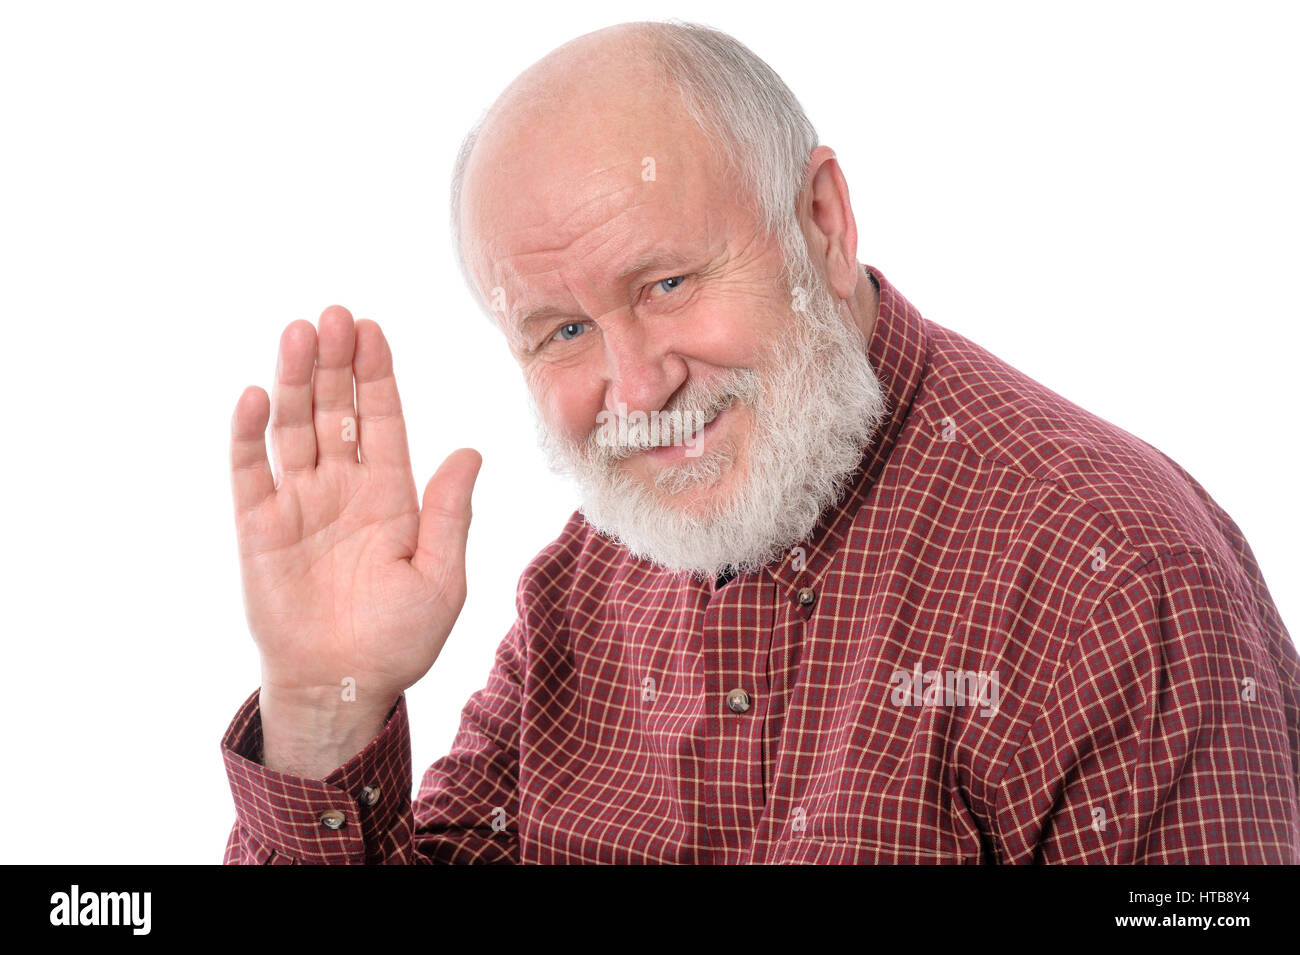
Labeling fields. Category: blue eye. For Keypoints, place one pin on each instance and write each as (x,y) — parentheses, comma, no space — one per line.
(567,333)
(664,283)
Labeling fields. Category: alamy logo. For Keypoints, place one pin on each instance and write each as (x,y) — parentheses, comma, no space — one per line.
(946,688)
(102,908)
(640,431)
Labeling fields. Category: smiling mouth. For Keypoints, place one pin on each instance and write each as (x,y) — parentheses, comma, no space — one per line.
(661,435)
(687,443)
(691,431)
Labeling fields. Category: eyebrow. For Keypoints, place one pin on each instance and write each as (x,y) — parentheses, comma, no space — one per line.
(653,259)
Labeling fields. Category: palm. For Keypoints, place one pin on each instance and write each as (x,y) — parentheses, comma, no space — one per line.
(345,577)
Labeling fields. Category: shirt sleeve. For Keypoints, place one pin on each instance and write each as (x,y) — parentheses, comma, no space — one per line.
(1166,737)
(362,813)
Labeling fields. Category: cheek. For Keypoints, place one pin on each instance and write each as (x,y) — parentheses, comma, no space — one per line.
(738,331)
(569,400)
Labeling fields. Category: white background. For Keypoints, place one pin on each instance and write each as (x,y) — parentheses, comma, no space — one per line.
(1103,194)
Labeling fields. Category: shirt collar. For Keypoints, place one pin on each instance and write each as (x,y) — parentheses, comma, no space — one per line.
(898,352)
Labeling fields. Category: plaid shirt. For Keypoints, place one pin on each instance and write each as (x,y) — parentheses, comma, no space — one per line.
(1023,635)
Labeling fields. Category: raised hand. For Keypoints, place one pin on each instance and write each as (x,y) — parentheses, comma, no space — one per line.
(350,585)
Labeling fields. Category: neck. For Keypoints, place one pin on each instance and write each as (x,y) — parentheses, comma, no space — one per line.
(864,304)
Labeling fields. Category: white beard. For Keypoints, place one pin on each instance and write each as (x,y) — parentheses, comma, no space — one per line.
(816,408)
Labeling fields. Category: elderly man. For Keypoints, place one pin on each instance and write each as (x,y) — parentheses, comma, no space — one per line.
(844,586)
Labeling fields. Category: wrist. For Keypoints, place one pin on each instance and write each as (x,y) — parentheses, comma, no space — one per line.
(312,734)
(320,702)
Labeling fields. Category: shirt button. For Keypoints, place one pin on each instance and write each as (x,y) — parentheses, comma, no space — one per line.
(332,819)
(369,795)
(807,595)
(737,700)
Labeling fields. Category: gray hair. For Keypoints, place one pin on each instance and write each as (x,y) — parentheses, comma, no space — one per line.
(743,107)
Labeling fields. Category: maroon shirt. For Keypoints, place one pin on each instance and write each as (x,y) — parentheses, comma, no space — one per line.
(1024,635)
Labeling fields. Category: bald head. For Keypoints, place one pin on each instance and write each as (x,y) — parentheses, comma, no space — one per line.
(750,119)
(590,121)
(590,70)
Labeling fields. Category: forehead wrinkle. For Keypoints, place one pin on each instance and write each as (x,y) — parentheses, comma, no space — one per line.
(613,165)
(632,261)
(503,264)
(654,256)
(608,196)
(636,261)
(656,251)
(619,161)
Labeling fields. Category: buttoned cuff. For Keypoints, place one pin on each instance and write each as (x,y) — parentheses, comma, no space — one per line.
(338,820)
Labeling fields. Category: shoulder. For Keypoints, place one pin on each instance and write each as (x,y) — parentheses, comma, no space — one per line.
(1068,463)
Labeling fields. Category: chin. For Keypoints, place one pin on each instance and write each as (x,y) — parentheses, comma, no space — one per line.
(704,499)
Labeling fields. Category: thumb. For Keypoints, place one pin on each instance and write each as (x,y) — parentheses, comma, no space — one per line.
(445,515)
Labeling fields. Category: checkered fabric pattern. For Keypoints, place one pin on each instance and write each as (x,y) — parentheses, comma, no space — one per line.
(1022,635)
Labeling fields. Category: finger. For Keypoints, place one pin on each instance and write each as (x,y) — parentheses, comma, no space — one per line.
(445,516)
(332,404)
(293,433)
(379,409)
(250,472)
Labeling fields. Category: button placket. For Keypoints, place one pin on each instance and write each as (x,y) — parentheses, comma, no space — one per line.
(735,637)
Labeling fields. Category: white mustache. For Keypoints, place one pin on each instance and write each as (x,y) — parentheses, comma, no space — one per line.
(620,435)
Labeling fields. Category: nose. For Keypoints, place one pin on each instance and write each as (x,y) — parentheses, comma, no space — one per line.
(642,371)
